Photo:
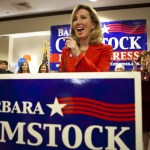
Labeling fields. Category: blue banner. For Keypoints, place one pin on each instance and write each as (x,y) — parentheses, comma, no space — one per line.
(128,39)
(57,43)
(75,113)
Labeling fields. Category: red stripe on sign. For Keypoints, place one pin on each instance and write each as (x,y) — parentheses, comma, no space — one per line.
(101,107)
(110,118)
(140,29)
(95,102)
(55,58)
(98,109)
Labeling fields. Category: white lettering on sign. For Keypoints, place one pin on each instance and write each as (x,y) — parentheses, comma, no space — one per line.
(62,32)
(58,45)
(34,128)
(125,55)
(133,42)
(27,108)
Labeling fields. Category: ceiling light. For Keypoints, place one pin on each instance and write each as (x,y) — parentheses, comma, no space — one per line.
(93,0)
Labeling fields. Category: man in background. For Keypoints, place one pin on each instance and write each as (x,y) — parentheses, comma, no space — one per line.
(119,68)
(4,67)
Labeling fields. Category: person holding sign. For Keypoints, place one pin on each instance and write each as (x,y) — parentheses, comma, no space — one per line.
(84,50)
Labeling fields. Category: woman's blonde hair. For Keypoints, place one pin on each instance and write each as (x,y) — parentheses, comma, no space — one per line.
(142,55)
(96,33)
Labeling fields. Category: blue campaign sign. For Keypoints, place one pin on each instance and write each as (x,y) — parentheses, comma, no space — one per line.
(128,38)
(57,43)
(70,111)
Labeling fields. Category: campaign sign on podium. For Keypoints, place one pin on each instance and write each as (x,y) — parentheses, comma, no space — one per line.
(82,111)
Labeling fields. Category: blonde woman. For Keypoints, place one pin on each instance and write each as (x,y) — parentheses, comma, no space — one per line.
(84,50)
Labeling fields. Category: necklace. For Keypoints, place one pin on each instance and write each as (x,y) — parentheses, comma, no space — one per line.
(83,51)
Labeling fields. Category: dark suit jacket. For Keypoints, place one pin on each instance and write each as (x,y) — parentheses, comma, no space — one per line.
(2,71)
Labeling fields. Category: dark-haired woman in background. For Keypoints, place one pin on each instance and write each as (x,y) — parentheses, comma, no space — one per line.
(43,68)
(24,68)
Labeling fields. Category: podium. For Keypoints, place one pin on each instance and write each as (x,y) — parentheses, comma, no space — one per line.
(100,111)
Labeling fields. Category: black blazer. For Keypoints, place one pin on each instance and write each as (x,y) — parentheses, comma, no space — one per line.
(2,71)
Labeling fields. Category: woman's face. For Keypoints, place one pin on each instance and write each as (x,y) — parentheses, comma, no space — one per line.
(82,24)
(147,57)
(43,69)
(143,61)
(24,66)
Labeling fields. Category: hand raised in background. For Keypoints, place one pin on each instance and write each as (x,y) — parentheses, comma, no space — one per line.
(134,64)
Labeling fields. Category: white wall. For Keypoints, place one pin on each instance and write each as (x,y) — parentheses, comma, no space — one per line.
(4,42)
(33,45)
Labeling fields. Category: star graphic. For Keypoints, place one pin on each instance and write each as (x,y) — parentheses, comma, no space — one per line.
(56,107)
(105,29)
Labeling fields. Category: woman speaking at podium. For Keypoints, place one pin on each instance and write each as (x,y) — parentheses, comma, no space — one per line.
(84,50)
